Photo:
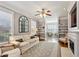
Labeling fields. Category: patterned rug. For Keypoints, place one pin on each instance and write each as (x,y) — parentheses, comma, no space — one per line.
(43,49)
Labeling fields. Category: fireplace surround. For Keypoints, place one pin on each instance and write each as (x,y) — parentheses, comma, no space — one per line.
(71,46)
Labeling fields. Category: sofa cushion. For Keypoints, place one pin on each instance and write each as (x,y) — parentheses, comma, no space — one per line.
(23,44)
(15,43)
(26,38)
(13,38)
(32,37)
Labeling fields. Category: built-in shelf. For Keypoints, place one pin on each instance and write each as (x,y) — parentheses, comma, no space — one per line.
(63,26)
(41,31)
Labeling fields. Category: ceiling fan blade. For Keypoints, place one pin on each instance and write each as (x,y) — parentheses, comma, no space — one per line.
(37,14)
(49,14)
(43,9)
(48,11)
(38,11)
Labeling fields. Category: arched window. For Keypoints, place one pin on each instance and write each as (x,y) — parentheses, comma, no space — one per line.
(23,24)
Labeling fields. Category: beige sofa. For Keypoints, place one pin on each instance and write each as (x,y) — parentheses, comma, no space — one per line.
(12,53)
(0,51)
(26,44)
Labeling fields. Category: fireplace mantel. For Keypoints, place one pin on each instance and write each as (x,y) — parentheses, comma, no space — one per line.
(73,30)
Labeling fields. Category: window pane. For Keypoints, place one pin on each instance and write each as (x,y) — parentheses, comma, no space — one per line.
(24,24)
(5,26)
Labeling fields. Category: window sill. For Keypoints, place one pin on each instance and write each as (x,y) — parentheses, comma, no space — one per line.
(3,43)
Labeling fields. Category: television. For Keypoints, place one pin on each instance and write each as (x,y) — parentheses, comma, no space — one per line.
(73,16)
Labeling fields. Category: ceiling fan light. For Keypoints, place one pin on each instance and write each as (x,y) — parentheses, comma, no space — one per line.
(49,14)
(42,15)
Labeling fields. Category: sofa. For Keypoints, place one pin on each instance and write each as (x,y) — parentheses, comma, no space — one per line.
(27,42)
(0,51)
(12,53)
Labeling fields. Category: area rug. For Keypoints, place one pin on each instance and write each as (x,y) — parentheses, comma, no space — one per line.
(43,49)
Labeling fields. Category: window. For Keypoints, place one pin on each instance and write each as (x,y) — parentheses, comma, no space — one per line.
(5,26)
(23,24)
(52,27)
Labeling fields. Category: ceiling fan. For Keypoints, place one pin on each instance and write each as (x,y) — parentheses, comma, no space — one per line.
(44,13)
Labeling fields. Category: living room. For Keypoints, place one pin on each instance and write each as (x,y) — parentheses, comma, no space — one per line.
(39,29)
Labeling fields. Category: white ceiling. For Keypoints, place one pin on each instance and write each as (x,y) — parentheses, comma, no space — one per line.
(29,8)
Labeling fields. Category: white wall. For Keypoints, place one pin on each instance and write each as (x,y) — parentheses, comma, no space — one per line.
(78,14)
(33,27)
(51,19)
(15,24)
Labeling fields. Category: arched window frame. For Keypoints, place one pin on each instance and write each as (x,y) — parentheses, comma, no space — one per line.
(23,24)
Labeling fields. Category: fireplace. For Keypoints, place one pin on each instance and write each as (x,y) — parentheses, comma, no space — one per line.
(72,46)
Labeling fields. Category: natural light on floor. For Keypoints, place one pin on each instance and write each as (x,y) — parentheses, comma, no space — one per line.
(54,40)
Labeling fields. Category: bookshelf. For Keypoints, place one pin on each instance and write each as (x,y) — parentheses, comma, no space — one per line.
(63,26)
(41,30)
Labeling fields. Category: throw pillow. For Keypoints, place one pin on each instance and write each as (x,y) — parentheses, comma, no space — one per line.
(32,37)
(19,40)
(6,55)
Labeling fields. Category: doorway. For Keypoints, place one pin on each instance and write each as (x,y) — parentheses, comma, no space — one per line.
(52,31)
